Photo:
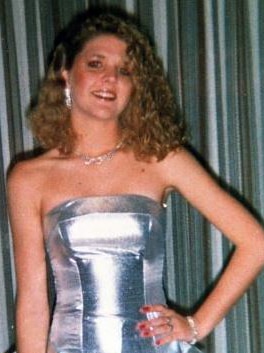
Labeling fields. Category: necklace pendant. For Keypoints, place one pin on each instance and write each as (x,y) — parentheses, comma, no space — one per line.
(93,160)
(98,161)
(87,160)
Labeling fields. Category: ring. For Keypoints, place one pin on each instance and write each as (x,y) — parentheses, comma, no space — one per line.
(168,318)
(170,327)
(169,323)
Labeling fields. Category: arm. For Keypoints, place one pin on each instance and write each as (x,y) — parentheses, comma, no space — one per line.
(32,313)
(230,217)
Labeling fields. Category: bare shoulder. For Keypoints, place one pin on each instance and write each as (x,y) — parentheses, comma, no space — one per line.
(181,156)
(33,167)
(27,177)
(179,167)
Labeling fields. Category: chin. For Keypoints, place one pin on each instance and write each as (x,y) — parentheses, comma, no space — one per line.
(105,115)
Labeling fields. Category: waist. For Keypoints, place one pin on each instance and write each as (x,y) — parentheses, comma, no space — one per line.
(105,286)
(119,304)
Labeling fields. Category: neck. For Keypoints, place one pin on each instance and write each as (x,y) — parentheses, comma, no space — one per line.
(97,139)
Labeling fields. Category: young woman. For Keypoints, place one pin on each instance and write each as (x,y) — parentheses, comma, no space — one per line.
(105,116)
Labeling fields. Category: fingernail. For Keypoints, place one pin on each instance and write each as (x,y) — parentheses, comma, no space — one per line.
(141,326)
(146,333)
(146,308)
(158,342)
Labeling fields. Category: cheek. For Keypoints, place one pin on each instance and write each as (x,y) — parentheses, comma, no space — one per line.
(125,98)
(128,89)
(81,80)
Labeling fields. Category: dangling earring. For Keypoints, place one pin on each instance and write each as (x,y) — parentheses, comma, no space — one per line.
(67,97)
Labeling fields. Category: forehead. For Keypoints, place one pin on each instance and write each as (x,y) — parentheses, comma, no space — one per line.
(106,44)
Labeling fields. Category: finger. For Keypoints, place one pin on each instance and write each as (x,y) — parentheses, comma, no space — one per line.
(164,339)
(150,308)
(162,327)
(162,320)
(162,330)
(142,325)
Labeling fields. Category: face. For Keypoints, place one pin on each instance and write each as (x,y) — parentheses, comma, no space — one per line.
(100,79)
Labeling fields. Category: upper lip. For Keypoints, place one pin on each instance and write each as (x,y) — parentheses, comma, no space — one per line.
(105,93)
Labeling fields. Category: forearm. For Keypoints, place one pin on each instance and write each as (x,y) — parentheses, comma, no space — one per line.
(32,325)
(239,274)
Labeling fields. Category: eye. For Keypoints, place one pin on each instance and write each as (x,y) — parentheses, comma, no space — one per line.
(124,71)
(95,64)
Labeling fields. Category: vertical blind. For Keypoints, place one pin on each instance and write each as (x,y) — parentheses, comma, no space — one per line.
(213,53)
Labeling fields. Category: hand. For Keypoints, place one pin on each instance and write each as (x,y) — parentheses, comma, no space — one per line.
(167,326)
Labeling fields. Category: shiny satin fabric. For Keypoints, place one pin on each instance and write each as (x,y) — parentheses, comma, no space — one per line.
(107,256)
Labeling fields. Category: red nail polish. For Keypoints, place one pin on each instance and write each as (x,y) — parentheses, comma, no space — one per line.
(158,342)
(146,333)
(146,308)
(141,326)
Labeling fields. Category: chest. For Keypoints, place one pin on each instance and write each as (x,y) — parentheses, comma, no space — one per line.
(118,177)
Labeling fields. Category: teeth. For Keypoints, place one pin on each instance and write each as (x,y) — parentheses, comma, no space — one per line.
(104,94)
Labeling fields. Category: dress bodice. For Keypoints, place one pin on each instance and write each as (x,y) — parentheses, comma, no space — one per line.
(106,255)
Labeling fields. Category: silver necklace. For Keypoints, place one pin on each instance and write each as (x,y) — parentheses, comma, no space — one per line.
(88,160)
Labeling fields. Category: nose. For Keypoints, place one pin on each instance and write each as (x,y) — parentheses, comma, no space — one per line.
(110,74)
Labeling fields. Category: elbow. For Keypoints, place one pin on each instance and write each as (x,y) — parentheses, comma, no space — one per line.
(262,255)
(252,251)
(260,248)
(257,252)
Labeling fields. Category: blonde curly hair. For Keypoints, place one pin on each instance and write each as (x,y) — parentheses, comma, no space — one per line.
(148,124)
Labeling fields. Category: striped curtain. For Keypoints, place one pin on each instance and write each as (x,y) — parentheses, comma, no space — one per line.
(213,53)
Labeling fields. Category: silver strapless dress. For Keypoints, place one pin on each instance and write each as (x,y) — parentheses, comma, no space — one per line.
(106,255)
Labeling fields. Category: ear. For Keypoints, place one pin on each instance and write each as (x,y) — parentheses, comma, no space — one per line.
(65,76)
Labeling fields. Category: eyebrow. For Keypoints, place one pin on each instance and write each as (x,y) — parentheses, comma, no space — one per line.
(102,56)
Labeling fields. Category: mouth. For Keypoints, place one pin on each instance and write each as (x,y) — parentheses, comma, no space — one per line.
(105,94)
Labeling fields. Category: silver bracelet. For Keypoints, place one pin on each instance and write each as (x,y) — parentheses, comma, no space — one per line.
(193,327)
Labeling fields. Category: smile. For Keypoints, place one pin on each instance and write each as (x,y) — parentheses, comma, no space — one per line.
(103,94)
